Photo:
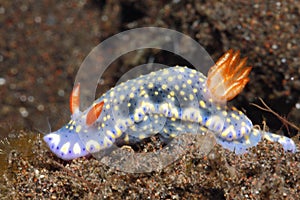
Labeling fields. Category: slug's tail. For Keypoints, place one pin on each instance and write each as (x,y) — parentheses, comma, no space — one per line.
(287,143)
(242,145)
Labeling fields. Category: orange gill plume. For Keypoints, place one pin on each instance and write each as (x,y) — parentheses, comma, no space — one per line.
(228,76)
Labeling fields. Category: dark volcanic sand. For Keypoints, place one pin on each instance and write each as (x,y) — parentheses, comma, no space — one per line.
(266,172)
(42,45)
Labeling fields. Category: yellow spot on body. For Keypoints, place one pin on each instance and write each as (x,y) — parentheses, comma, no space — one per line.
(107,106)
(172,135)
(179,77)
(192,75)
(111,94)
(71,128)
(224,113)
(159,78)
(189,81)
(104,118)
(228,119)
(202,128)
(165,72)
(163,107)
(156,93)
(142,92)
(164,86)
(227,131)
(122,97)
(191,97)
(184,85)
(176,87)
(65,147)
(175,113)
(204,90)
(182,93)
(218,107)
(172,93)
(142,136)
(243,130)
(233,115)
(133,88)
(78,128)
(150,107)
(173,119)
(87,130)
(181,69)
(118,131)
(150,85)
(201,80)
(131,95)
(170,78)
(208,122)
(67,127)
(102,125)
(116,108)
(105,100)
(247,139)
(110,134)
(76,148)
(195,90)
(202,104)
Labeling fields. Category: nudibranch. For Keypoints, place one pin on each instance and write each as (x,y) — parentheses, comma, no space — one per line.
(168,102)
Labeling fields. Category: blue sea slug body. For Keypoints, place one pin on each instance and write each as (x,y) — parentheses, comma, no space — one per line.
(168,102)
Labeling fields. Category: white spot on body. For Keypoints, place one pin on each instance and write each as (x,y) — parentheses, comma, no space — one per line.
(76,148)
(65,147)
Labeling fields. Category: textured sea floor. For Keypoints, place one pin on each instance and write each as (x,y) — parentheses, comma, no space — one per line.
(42,45)
(204,171)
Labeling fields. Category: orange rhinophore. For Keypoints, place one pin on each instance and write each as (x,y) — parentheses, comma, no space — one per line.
(75,99)
(228,76)
(94,113)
